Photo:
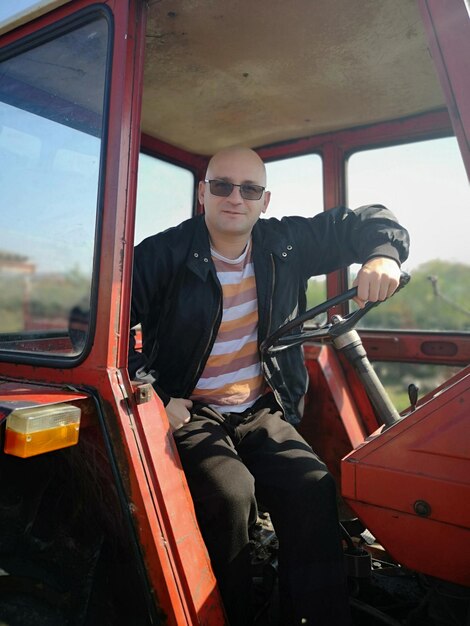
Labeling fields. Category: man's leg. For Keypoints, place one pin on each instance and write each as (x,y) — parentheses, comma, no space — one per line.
(223,493)
(300,495)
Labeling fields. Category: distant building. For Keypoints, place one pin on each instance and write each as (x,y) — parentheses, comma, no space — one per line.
(11,263)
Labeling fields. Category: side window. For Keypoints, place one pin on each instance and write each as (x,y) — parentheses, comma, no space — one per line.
(296,186)
(165,196)
(52,123)
(425,185)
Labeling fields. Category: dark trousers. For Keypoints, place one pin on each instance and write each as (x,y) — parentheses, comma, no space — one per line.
(231,461)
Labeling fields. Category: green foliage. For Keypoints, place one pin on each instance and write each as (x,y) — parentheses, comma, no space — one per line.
(54,296)
(437,298)
(316,292)
(396,377)
(45,297)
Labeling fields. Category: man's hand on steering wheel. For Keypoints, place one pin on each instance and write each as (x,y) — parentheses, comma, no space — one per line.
(377,280)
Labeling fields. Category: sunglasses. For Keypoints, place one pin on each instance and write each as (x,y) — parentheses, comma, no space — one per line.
(223,189)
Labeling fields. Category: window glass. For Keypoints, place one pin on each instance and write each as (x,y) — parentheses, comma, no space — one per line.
(51,125)
(165,196)
(396,377)
(296,186)
(426,186)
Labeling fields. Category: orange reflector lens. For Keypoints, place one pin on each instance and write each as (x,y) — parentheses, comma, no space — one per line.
(31,431)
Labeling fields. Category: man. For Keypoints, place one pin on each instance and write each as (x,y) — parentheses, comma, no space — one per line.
(207,293)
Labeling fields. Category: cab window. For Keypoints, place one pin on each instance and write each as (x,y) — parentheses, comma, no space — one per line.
(425,185)
(52,124)
(165,196)
(296,186)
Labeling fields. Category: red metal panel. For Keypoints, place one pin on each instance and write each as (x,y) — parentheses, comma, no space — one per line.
(424,457)
(129,453)
(133,88)
(120,154)
(421,544)
(190,560)
(358,393)
(334,185)
(331,423)
(321,425)
(343,400)
(425,126)
(449,500)
(417,347)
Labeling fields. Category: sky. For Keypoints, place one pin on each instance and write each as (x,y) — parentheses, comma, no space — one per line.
(48,182)
(426,186)
(10,8)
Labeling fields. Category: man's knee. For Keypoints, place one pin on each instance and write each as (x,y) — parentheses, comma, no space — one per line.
(238,496)
(312,493)
(327,485)
(230,504)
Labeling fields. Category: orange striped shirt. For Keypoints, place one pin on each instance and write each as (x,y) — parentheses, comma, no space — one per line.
(232,378)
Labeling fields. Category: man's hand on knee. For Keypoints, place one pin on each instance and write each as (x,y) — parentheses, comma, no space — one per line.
(177,410)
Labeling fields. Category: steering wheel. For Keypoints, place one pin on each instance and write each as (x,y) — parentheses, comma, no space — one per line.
(281,340)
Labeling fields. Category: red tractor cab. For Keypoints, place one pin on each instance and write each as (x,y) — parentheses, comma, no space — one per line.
(109,114)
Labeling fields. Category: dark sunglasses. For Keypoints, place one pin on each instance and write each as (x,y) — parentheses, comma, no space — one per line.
(223,189)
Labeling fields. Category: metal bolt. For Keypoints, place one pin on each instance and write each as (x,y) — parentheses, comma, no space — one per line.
(422,508)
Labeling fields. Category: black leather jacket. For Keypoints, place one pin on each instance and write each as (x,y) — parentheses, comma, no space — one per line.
(178,299)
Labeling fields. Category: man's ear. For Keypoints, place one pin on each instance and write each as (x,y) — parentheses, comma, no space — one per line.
(201,190)
(267,198)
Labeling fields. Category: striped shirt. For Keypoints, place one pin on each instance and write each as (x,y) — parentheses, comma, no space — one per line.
(232,379)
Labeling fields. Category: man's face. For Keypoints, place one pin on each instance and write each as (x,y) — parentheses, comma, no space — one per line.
(233,216)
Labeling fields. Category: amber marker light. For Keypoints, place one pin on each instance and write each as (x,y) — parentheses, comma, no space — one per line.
(34,430)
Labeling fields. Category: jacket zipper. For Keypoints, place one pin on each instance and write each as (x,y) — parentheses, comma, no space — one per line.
(264,365)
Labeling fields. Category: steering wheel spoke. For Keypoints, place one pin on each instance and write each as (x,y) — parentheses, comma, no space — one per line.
(341,333)
(283,338)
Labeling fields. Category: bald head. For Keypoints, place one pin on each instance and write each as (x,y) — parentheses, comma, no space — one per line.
(230,217)
(237,160)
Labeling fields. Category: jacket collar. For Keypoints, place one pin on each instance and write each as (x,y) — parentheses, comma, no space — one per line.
(271,239)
